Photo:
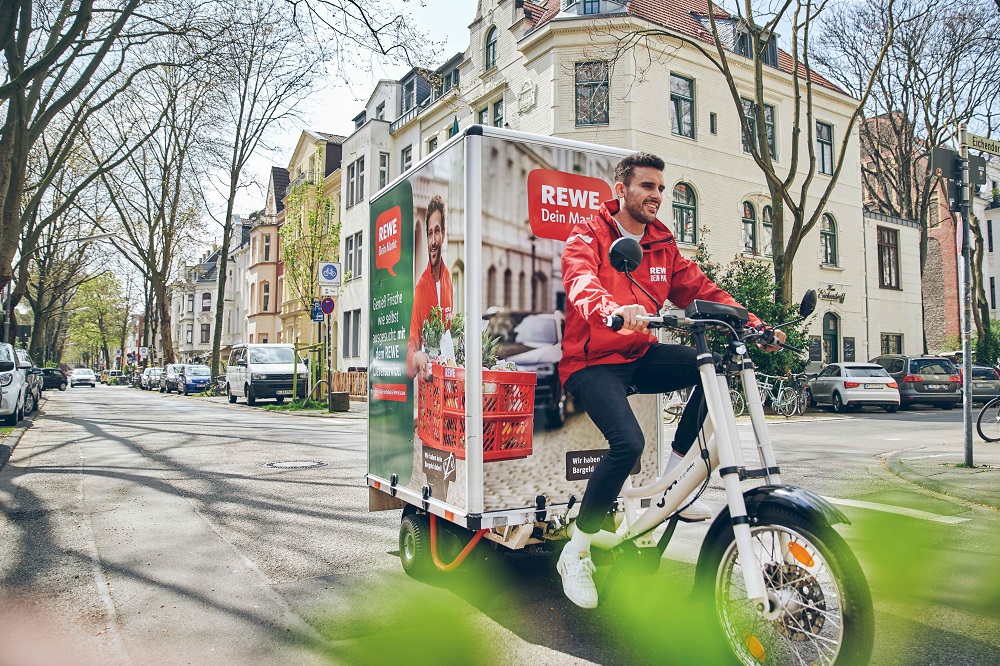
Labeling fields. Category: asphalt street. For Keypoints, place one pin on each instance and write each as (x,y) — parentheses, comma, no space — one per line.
(140,528)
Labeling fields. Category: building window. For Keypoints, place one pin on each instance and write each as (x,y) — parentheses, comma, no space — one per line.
(432,144)
(206,333)
(592,99)
(713,123)
(483,116)
(749,228)
(265,296)
(491,287)
(190,302)
(682,106)
(380,111)
(189,336)
(360,120)
(409,96)
(743,47)
(892,343)
(356,182)
(352,256)
(206,302)
(508,285)
(993,293)
(591,6)
(888,258)
(267,247)
(685,219)
(406,158)
(352,330)
(521,291)
(765,231)
(824,136)
(828,240)
(989,235)
(748,106)
(383,170)
(491,48)
(498,113)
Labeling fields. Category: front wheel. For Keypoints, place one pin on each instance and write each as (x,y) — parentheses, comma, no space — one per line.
(988,421)
(229,394)
(739,402)
(787,402)
(823,605)
(251,398)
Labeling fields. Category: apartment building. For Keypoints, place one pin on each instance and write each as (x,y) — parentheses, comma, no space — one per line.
(263,274)
(193,304)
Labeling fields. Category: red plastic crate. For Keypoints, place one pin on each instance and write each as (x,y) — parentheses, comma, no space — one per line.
(508,412)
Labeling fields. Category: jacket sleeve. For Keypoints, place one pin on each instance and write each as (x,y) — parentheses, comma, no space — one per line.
(689,284)
(584,290)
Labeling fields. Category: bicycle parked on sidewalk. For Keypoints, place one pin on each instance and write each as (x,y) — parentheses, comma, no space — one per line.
(988,421)
(783,399)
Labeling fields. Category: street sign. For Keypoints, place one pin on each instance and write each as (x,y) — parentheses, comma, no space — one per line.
(143,352)
(118,352)
(328,291)
(317,311)
(977,170)
(944,162)
(329,274)
(984,144)
(327,305)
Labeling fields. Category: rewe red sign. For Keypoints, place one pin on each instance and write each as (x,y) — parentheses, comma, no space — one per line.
(558,200)
(390,233)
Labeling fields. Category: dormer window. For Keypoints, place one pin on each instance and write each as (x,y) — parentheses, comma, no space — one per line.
(491,48)
(380,111)
(744,48)
(409,96)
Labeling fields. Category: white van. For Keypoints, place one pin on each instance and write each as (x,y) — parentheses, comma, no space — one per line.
(264,371)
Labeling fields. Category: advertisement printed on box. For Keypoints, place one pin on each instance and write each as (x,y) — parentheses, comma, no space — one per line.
(535,440)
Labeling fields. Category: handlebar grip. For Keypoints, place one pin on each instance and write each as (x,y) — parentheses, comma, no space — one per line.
(614,322)
(767,337)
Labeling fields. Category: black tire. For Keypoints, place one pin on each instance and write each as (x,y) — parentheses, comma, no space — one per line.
(280,399)
(182,389)
(988,421)
(556,417)
(62,386)
(840,584)
(251,398)
(11,419)
(809,399)
(415,545)
(891,409)
(229,394)
(163,389)
(838,403)
(947,407)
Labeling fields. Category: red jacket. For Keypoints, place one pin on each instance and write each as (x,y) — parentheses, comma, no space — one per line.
(425,297)
(594,289)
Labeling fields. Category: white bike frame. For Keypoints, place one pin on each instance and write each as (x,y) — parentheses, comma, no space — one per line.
(722,445)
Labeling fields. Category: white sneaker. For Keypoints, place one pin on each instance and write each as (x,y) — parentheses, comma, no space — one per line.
(577,571)
(698,511)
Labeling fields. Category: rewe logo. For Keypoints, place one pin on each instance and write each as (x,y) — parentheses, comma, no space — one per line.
(558,200)
(389,232)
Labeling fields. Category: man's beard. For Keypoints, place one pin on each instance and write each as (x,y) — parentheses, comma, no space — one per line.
(635,208)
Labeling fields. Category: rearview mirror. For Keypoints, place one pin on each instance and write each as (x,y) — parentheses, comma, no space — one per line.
(241,362)
(625,255)
(808,303)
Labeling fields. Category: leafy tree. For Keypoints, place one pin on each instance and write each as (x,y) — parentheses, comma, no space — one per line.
(100,315)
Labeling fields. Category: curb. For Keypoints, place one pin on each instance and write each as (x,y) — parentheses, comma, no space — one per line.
(9,444)
(896,464)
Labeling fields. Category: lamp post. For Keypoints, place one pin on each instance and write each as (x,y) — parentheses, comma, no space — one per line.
(8,302)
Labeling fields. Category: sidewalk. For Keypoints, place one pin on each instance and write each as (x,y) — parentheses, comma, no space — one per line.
(942,469)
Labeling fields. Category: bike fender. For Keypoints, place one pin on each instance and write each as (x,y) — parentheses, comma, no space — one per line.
(793,499)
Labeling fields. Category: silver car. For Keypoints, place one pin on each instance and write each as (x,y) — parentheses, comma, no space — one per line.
(854,385)
(985,383)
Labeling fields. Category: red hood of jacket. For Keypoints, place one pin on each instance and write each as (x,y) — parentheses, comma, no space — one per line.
(594,289)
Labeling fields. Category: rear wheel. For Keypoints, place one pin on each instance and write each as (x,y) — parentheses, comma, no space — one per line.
(556,417)
(810,401)
(838,403)
(891,409)
(948,406)
(787,402)
(988,421)
(62,386)
(229,394)
(280,400)
(822,605)
(415,545)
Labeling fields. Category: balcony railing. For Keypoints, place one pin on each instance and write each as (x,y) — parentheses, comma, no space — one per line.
(405,118)
(304,178)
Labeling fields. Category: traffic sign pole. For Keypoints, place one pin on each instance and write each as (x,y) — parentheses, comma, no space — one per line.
(966,296)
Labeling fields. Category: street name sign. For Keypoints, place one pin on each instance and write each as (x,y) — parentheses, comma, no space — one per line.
(984,144)
(329,274)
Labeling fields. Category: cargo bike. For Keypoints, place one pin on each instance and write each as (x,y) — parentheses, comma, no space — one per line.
(459,449)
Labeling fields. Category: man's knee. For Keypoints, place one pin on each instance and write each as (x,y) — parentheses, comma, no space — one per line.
(629,448)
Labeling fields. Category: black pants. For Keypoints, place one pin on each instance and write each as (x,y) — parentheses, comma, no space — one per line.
(603,391)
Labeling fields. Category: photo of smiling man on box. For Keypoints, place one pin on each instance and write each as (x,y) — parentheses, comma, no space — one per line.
(433,289)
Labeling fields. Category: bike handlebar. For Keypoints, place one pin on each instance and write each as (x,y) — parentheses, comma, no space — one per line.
(677,319)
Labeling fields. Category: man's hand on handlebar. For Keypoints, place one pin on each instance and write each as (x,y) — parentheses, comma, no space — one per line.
(777,335)
(629,313)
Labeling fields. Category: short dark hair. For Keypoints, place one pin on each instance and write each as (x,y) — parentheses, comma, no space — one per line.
(436,204)
(623,170)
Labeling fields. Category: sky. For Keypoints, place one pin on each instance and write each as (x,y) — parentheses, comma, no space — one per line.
(332,108)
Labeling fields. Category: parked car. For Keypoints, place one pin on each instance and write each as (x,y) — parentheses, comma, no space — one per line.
(533,342)
(170,377)
(193,379)
(54,378)
(264,371)
(82,377)
(150,379)
(853,386)
(33,385)
(985,383)
(927,380)
(110,377)
(12,387)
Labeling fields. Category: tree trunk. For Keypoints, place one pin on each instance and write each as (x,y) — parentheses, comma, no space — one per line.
(222,266)
(164,311)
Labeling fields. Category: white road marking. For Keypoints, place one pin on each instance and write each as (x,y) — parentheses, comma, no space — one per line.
(902,511)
